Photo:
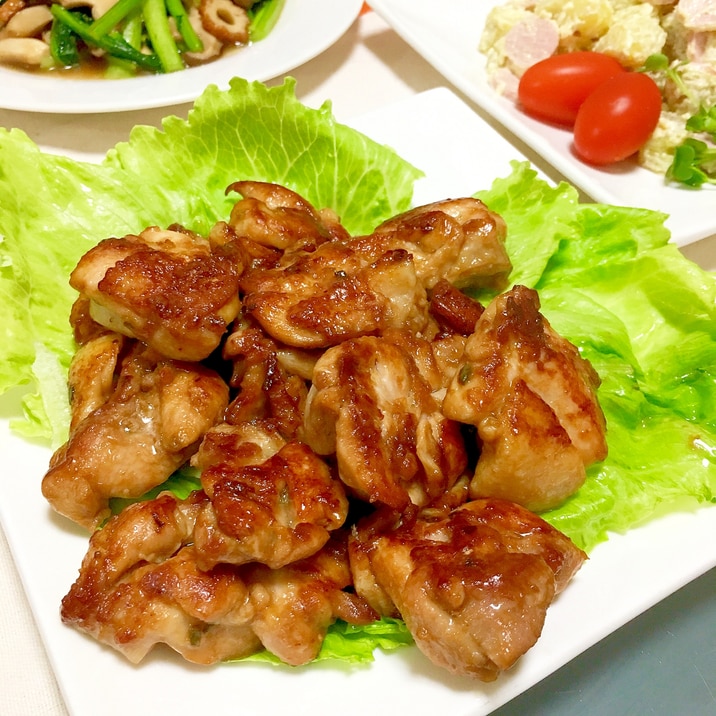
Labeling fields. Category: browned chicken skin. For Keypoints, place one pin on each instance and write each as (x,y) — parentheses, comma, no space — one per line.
(140,585)
(274,512)
(473,585)
(370,406)
(304,372)
(275,216)
(457,240)
(533,400)
(170,289)
(321,298)
(150,424)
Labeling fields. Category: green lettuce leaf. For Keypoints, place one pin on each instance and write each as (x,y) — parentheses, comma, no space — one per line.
(54,208)
(255,133)
(645,317)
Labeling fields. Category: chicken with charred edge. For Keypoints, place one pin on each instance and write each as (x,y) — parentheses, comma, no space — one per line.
(472,583)
(144,421)
(533,399)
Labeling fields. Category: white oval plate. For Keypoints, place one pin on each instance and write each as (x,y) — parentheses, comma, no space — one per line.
(305,29)
(448,40)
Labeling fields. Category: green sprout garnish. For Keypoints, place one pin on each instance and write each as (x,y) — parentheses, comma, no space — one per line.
(694,162)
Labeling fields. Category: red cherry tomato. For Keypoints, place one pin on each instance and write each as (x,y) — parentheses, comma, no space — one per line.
(553,89)
(617,118)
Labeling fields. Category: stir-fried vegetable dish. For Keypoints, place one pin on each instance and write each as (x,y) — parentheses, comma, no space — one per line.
(119,38)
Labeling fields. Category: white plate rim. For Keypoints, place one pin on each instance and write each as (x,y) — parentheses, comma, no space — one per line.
(305,29)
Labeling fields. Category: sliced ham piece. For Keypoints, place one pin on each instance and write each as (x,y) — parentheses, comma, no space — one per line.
(529,41)
(696,46)
(698,14)
(505,82)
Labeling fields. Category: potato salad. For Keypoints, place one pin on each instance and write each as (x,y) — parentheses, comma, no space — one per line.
(674,41)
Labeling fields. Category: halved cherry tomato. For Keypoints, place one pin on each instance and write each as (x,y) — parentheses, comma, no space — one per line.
(617,118)
(553,89)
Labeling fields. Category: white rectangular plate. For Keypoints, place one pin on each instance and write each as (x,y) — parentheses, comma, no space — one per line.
(460,154)
(447,36)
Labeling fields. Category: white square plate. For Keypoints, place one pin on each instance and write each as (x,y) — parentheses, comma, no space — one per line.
(460,155)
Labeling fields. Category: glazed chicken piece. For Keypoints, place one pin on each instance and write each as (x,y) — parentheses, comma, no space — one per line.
(296,604)
(168,288)
(91,377)
(273,215)
(361,286)
(150,425)
(533,400)
(369,405)
(320,298)
(458,240)
(140,585)
(275,512)
(269,384)
(473,584)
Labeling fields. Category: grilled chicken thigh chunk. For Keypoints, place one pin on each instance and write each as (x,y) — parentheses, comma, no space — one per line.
(458,240)
(320,298)
(370,406)
(168,288)
(140,585)
(274,512)
(149,425)
(297,603)
(533,400)
(274,216)
(472,584)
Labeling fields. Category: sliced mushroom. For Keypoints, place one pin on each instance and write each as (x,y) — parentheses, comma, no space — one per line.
(225,20)
(27,51)
(29,22)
